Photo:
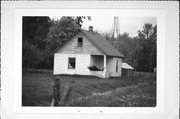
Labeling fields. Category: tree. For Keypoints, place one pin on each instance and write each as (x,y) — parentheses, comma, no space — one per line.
(129,47)
(31,55)
(146,32)
(147,53)
(41,36)
(35,30)
(153,54)
(60,31)
(79,19)
(140,51)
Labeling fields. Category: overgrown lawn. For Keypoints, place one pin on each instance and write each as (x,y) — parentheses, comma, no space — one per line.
(139,91)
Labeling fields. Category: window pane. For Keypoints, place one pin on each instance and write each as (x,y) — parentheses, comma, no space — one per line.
(71,59)
(72,63)
(80,42)
(117,66)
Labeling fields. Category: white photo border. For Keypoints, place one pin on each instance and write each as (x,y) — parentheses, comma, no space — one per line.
(159,14)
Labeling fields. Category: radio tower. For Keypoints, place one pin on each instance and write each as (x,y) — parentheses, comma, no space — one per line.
(116,29)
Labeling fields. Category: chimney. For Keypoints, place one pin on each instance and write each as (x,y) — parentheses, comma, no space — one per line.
(91,29)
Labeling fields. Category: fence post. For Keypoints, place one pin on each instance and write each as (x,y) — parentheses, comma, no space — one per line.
(56,92)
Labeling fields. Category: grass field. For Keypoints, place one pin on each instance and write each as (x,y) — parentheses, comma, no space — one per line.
(139,91)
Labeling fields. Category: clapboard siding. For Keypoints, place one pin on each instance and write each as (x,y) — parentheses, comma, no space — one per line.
(61,64)
(71,47)
(83,62)
(119,66)
(111,66)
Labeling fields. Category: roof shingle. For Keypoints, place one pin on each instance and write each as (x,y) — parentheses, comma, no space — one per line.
(102,44)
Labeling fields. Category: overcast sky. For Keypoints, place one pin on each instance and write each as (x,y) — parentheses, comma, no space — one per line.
(104,24)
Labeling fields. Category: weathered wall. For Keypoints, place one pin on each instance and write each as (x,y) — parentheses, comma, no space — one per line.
(111,66)
(61,64)
(71,47)
(82,62)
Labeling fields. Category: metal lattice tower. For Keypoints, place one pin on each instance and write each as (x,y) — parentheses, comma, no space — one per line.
(116,29)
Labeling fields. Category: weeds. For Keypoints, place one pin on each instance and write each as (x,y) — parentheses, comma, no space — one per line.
(91,91)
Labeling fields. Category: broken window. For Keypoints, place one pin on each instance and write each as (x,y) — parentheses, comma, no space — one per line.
(80,42)
(72,63)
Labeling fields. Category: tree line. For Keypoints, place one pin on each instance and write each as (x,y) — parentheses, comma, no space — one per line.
(140,51)
(42,35)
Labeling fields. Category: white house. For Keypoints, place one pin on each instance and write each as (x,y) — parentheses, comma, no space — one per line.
(86,51)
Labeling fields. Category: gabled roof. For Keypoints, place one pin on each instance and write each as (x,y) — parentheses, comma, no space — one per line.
(100,42)
(126,66)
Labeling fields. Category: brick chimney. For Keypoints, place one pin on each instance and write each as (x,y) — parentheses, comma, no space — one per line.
(91,29)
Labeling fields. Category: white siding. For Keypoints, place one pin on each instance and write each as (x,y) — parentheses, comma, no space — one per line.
(83,62)
(71,47)
(111,66)
(119,66)
(61,64)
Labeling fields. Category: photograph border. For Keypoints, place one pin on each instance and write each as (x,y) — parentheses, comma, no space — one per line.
(170,109)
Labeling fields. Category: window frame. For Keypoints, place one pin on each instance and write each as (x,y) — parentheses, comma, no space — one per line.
(74,58)
(116,65)
(80,44)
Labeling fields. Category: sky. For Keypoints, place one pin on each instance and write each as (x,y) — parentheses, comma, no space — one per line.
(104,24)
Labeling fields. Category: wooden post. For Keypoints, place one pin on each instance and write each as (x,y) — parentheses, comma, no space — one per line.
(104,71)
(56,93)
(64,95)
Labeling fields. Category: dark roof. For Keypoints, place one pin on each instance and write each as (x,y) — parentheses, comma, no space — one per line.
(100,42)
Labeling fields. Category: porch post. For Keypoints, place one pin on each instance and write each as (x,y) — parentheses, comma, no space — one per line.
(104,71)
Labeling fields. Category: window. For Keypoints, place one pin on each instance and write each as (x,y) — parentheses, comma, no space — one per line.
(80,42)
(117,66)
(71,63)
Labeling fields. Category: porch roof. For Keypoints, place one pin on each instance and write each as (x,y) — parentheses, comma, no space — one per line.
(126,66)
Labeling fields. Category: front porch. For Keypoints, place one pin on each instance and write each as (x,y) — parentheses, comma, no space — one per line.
(98,65)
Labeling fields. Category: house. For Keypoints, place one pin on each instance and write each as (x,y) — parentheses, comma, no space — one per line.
(127,70)
(88,53)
